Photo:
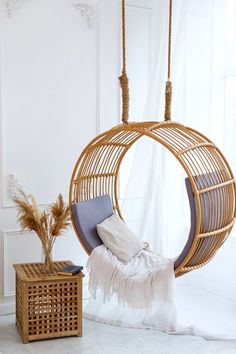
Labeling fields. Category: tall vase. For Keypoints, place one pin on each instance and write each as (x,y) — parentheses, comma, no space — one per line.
(48,262)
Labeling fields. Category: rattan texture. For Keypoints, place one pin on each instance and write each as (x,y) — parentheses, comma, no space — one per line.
(97,170)
(47,306)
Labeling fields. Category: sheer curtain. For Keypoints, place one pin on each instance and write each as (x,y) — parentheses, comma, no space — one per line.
(204,97)
(152,192)
(199,99)
(149,193)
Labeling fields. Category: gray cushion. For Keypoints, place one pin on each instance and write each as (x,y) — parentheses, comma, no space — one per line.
(193,224)
(87,215)
(210,207)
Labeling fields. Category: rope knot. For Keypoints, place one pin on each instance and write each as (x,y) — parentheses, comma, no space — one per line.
(168,95)
(124,84)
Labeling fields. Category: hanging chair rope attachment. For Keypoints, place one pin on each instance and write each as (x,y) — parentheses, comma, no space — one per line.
(168,93)
(124,81)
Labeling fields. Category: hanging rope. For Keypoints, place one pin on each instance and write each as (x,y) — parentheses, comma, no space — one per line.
(168,93)
(124,81)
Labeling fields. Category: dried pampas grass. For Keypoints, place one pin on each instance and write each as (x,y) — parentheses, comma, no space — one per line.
(48,224)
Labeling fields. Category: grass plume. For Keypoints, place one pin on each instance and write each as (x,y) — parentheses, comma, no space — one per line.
(48,224)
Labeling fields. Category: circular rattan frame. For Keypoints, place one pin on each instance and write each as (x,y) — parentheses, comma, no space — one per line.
(97,169)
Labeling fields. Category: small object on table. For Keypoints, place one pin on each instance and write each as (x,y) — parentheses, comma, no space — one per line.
(70,270)
(47,305)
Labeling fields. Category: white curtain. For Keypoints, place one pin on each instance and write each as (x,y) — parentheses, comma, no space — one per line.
(154,198)
(152,190)
(199,80)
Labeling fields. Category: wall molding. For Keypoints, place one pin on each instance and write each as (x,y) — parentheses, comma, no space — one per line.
(2,142)
(12,6)
(87,12)
(6,234)
(5,202)
(15,190)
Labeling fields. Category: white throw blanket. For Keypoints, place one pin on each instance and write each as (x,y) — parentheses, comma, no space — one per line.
(139,294)
(148,277)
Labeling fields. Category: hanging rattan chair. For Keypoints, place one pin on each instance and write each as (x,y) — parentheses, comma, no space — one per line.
(210,182)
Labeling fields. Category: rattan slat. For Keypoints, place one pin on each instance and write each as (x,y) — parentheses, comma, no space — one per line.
(216,232)
(196,146)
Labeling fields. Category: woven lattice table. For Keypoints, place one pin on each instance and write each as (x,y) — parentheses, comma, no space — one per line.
(47,305)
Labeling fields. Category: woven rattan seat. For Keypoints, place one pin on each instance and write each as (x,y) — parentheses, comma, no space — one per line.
(97,170)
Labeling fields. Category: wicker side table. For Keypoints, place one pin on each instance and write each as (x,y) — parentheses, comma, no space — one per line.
(47,306)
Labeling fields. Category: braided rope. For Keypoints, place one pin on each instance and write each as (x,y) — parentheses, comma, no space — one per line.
(124,36)
(168,92)
(169,38)
(124,81)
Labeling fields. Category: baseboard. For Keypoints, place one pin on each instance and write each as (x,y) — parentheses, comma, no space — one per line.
(7,307)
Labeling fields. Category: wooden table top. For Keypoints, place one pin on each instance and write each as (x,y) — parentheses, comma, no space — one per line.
(35,271)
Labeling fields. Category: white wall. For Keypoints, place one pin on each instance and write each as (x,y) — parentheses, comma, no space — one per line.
(58,89)
(49,79)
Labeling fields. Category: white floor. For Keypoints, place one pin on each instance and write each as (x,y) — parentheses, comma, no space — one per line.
(104,339)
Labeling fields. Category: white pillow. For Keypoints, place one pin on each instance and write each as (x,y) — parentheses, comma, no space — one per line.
(120,240)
